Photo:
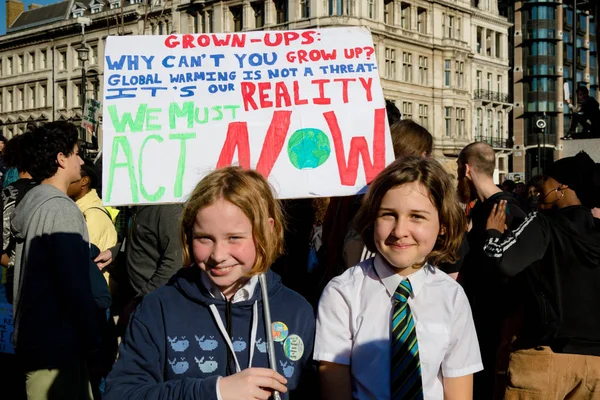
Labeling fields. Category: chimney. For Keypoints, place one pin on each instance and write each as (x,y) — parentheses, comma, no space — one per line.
(14,8)
(33,6)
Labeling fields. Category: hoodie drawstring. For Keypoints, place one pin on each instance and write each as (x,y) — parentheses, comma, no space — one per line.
(227,334)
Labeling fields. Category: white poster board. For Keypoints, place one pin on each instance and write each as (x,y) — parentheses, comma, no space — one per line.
(304,108)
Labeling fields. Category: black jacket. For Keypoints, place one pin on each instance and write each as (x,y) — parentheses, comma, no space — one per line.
(153,248)
(556,255)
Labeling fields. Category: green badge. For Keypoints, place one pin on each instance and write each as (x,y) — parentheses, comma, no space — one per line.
(293,347)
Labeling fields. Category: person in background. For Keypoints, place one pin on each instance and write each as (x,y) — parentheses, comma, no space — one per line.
(99,222)
(394,327)
(487,291)
(534,188)
(55,319)
(3,142)
(555,254)
(585,114)
(15,156)
(508,186)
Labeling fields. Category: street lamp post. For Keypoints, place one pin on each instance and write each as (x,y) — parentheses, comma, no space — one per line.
(82,54)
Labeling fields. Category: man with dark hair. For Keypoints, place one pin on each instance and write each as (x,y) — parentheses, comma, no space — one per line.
(55,314)
(586,114)
(476,164)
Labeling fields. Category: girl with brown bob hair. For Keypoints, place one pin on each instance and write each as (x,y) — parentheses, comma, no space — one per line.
(394,326)
(203,334)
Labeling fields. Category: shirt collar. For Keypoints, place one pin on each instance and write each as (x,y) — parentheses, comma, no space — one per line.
(243,294)
(391,279)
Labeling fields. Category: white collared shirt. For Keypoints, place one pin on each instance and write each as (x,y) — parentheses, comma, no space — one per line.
(244,293)
(354,327)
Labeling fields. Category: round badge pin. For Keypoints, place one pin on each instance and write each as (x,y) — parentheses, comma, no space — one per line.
(293,347)
(280,331)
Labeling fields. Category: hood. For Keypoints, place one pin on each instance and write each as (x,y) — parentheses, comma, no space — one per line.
(583,232)
(26,209)
(188,282)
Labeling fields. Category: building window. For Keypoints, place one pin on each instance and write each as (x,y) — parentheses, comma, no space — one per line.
(95,90)
(62,96)
(407,67)
(77,95)
(20,63)
(20,99)
(458,26)
(460,122)
(499,84)
(9,66)
(77,13)
(479,77)
(450,27)
(9,100)
(424,116)
(341,7)
(405,16)
(209,22)
(479,127)
(31,91)
(500,126)
(305,9)
(62,60)
(423,70)
(237,14)
(388,12)
(94,54)
(96,9)
(447,72)
(456,81)
(259,14)
(390,63)
(115,4)
(406,110)
(490,120)
(43,95)
(498,45)
(543,12)
(542,49)
(370,9)
(1,71)
(31,57)
(479,40)
(489,82)
(461,74)
(421,20)
(448,118)
(281,8)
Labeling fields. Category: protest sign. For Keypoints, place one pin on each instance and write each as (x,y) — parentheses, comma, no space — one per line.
(304,108)
(6,328)
(90,114)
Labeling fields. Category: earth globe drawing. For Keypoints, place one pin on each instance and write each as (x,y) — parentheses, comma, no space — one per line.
(308,148)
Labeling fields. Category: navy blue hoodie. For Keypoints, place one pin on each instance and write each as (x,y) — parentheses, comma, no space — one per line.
(173,348)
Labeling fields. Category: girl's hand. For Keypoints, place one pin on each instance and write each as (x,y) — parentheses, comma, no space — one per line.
(252,384)
(497,218)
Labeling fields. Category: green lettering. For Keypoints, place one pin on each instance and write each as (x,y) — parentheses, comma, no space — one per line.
(176,112)
(121,125)
(149,118)
(219,112)
(233,110)
(122,142)
(178,190)
(161,190)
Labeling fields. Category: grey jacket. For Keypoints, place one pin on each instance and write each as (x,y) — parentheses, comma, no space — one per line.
(55,314)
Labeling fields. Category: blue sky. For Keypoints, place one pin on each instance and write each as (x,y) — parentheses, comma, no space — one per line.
(26,2)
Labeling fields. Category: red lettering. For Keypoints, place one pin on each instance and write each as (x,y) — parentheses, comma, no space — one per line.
(204,40)
(290,37)
(358,146)
(297,100)
(302,56)
(263,96)
(274,141)
(237,137)
(269,42)
(171,41)
(321,99)
(345,86)
(221,42)
(248,90)
(367,84)
(188,42)
(329,56)
(308,37)
(282,96)
(239,40)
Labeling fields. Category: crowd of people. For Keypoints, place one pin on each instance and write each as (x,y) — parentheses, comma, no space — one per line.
(422,286)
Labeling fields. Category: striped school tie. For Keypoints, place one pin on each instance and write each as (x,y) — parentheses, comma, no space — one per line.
(406,383)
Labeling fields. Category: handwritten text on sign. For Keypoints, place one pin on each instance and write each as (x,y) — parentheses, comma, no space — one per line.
(6,328)
(305,108)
